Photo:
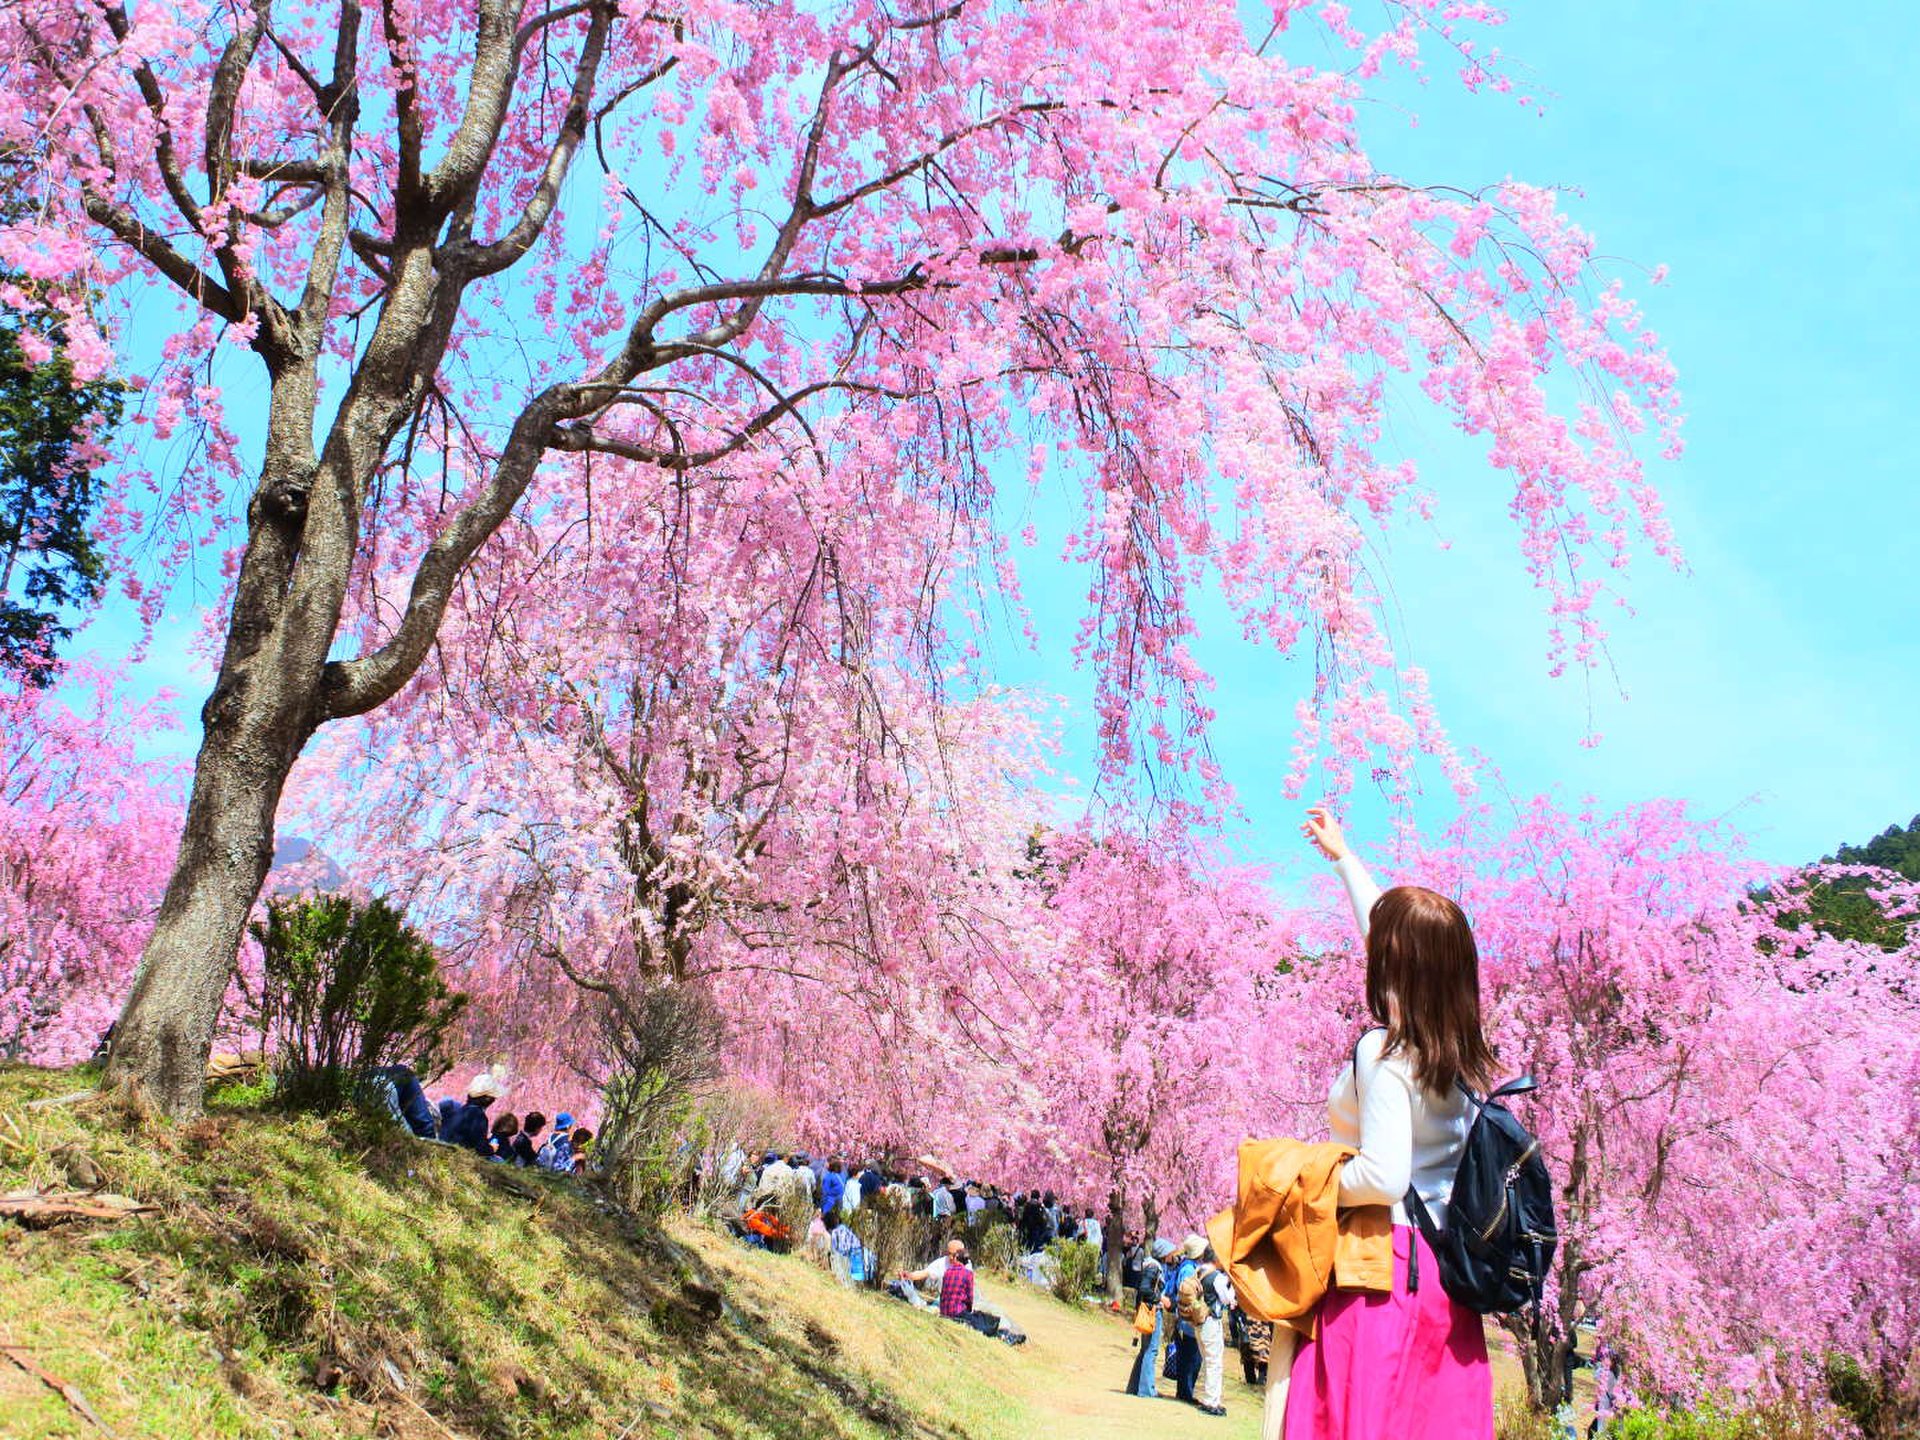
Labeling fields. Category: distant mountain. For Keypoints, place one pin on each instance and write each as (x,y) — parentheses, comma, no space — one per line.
(1892,849)
(1842,907)
(300,866)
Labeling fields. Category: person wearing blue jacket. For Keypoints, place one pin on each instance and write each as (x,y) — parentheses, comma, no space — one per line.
(833,1186)
(1186,1339)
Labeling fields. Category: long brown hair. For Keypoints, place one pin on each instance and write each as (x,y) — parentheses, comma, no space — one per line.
(1420,950)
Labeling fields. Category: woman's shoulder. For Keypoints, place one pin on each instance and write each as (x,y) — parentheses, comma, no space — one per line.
(1369,1051)
(1371,1059)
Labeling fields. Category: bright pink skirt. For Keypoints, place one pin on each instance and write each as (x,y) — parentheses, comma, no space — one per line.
(1393,1367)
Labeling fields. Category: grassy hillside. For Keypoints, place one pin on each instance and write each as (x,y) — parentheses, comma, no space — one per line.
(332,1280)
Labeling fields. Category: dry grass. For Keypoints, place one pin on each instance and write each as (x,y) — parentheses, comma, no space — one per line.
(1066,1383)
(335,1279)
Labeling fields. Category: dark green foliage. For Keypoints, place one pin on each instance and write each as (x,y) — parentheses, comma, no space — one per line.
(346,988)
(1858,1392)
(48,560)
(1893,849)
(1842,906)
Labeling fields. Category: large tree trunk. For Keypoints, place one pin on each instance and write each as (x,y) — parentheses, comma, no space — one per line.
(161,1042)
(257,720)
(1116,1238)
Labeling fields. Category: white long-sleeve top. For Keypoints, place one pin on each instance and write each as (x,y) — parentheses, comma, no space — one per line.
(1405,1136)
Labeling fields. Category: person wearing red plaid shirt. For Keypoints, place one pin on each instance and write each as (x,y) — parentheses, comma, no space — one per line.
(956,1288)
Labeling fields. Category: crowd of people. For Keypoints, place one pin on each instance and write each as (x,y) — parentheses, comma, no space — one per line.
(1399,1113)
(463,1120)
(1185,1309)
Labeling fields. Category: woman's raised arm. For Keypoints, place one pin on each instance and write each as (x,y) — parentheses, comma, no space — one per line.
(1325,833)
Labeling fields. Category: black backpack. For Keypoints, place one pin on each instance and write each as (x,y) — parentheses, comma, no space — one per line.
(1498,1245)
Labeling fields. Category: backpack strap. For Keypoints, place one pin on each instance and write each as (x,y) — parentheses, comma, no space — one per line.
(1356,1055)
(1423,1222)
(1519,1085)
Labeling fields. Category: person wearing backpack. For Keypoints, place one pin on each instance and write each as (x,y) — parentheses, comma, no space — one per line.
(1216,1298)
(1410,1365)
(557,1153)
(1184,1363)
(1145,1379)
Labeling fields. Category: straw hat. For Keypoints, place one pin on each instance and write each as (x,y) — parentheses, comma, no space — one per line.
(483,1086)
(1194,1248)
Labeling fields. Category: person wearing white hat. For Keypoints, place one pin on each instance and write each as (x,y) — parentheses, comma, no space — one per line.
(469,1127)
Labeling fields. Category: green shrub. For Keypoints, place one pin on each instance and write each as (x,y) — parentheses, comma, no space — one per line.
(1858,1392)
(1781,1420)
(346,988)
(1076,1269)
(895,1237)
(995,1248)
(659,1046)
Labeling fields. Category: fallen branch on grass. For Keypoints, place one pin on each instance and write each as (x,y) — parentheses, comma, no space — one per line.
(69,1393)
(38,1209)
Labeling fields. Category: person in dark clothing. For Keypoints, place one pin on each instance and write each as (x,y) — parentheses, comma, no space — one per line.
(870,1181)
(409,1099)
(1144,1380)
(469,1127)
(444,1113)
(526,1145)
(1034,1228)
(500,1138)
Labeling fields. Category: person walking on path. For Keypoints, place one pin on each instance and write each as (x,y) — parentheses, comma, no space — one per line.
(1411,1365)
(1145,1379)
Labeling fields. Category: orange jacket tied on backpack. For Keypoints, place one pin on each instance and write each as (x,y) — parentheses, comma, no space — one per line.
(1286,1241)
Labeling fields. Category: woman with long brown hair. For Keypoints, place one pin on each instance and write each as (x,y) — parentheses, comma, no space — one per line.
(1410,1365)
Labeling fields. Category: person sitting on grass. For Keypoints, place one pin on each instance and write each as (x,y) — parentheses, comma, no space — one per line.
(956,1300)
(500,1138)
(934,1274)
(468,1127)
(956,1285)
(849,1260)
(557,1153)
(526,1146)
(582,1151)
(399,1087)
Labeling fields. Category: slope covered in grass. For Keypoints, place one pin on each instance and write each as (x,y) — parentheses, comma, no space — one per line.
(334,1279)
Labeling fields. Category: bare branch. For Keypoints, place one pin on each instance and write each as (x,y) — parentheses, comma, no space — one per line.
(160,253)
(352,687)
(509,248)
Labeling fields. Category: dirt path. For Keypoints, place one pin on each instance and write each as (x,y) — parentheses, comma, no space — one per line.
(1074,1369)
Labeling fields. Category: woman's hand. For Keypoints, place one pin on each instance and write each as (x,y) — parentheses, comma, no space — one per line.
(1324,831)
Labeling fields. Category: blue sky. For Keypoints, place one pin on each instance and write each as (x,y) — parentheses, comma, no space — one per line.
(1769,162)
